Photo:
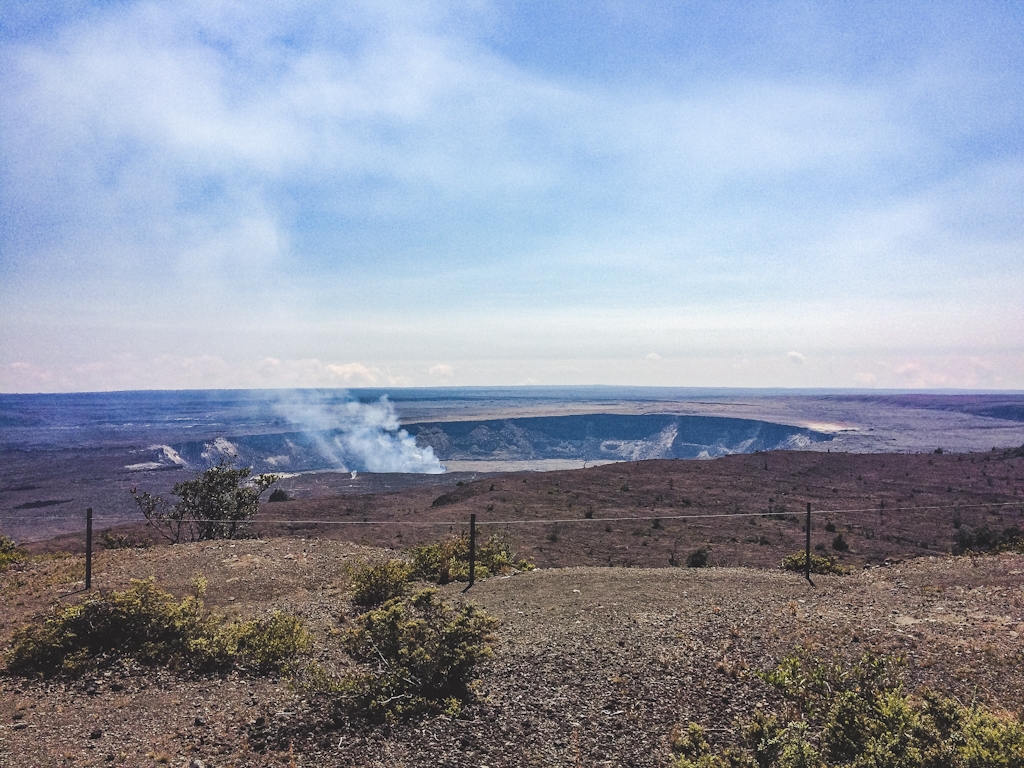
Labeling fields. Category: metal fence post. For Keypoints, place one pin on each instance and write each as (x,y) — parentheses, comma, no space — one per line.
(807,553)
(88,548)
(472,549)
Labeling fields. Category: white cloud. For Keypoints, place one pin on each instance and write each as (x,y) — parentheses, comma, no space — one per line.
(184,192)
(355,373)
(441,371)
(796,357)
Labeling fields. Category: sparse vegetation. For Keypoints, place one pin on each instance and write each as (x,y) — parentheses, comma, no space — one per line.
(419,655)
(987,540)
(10,553)
(447,560)
(150,626)
(820,564)
(111,540)
(859,715)
(839,543)
(217,504)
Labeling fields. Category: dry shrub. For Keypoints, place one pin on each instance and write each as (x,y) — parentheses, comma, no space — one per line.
(150,626)
(858,715)
(10,553)
(447,560)
(418,655)
(820,564)
(376,584)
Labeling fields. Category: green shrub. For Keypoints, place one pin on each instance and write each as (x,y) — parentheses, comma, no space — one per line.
(858,715)
(698,558)
(10,553)
(839,543)
(261,645)
(376,584)
(820,564)
(149,625)
(420,654)
(447,560)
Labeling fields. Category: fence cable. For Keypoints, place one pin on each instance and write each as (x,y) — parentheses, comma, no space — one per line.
(716,515)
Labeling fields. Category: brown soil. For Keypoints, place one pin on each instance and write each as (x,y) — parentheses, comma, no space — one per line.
(654,513)
(593,665)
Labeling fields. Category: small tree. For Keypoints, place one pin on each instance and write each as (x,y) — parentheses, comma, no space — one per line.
(216,504)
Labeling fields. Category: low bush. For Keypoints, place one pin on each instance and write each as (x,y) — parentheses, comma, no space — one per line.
(987,540)
(447,560)
(376,584)
(859,716)
(839,543)
(111,540)
(10,553)
(150,626)
(698,558)
(419,653)
(820,564)
(1014,453)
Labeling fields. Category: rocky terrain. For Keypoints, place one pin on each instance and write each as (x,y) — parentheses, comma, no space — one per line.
(746,510)
(601,651)
(593,666)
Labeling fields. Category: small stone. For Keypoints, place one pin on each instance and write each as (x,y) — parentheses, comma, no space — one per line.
(200,721)
(96,733)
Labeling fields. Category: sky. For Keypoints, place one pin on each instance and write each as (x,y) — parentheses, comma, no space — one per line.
(235,194)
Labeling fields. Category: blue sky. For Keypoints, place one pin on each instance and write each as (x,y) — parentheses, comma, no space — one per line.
(246,194)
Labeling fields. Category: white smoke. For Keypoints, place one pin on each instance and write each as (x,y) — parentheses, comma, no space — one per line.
(218,449)
(354,436)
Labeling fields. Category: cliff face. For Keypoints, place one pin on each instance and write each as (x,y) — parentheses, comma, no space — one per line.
(609,437)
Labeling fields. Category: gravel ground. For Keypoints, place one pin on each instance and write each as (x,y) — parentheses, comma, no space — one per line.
(592,666)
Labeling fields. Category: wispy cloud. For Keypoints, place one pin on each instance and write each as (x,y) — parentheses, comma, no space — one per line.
(211,184)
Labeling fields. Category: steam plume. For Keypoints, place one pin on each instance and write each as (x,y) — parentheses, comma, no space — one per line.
(354,436)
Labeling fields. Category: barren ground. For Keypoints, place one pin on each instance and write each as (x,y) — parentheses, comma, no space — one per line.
(654,513)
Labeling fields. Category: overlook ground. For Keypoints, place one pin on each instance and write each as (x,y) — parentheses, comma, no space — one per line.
(593,666)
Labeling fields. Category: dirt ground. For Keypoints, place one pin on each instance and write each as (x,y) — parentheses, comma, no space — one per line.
(745,510)
(593,665)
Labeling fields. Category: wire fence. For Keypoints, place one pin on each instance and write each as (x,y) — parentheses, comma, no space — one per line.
(122,519)
(657,521)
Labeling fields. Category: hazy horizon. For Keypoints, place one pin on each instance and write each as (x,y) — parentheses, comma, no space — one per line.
(249,195)
(690,391)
